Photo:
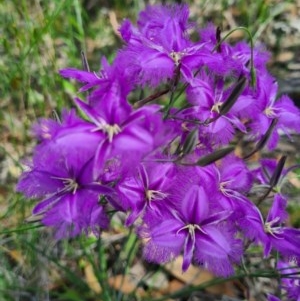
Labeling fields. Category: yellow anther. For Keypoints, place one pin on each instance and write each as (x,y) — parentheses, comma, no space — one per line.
(274,231)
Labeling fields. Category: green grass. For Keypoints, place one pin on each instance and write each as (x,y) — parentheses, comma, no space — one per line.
(37,39)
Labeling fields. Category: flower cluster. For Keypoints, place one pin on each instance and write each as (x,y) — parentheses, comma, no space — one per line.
(167,160)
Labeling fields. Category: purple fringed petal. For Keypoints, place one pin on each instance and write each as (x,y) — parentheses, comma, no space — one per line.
(79,75)
(101,155)
(166,25)
(200,93)
(221,131)
(153,66)
(134,139)
(76,213)
(273,140)
(194,207)
(46,203)
(216,218)
(233,168)
(278,209)
(289,114)
(217,250)
(101,189)
(252,224)
(135,213)
(166,234)
(289,244)
(36,184)
(188,251)
(87,110)
(63,217)
(45,129)
(162,240)
(126,30)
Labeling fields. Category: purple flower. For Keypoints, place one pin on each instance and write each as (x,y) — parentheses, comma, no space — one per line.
(230,192)
(108,83)
(206,95)
(196,230)
(148,189)
(135,159)
(49,130)
(125,134)
(283,109)
(160,45)
(235,59)
(70,196)
(270,232)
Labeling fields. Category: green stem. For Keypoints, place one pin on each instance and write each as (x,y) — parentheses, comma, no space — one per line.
(103,272)
(20,229)
(173,89)
(279,276)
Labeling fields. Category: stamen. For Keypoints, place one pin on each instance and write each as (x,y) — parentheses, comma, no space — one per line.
(274,231)
(269,112)
(70,184)
(191,228)
(222,188)
(111,130)
(155,195)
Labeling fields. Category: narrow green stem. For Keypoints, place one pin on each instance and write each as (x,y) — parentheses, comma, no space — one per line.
(279,276)
(20,229)
(103,272)
(173,89)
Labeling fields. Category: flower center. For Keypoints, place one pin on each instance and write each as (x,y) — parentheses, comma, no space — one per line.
(70,184)
(154,195)
(176,56)
(192,229)
(110,130)
(223,189)
(274,231)
(269,112)
(216,107)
